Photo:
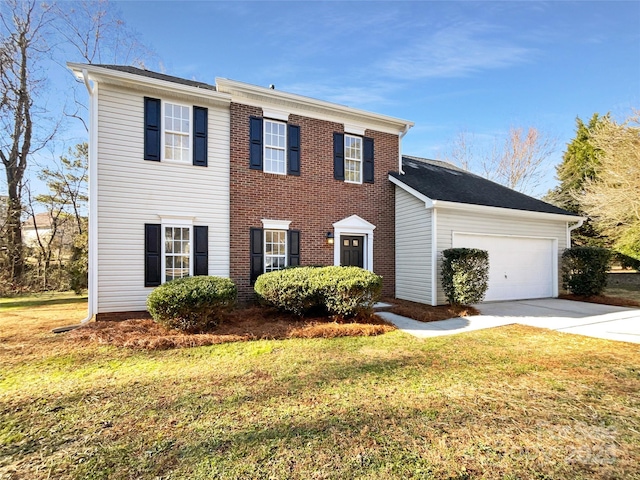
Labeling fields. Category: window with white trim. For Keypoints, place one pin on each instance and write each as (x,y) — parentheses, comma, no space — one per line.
(352,159)
(275,141)
(177,132)
(275,250)
(176,259)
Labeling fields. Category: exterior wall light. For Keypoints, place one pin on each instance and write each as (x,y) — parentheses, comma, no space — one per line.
(329,238)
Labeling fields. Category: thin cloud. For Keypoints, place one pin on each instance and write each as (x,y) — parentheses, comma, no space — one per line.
(456,51)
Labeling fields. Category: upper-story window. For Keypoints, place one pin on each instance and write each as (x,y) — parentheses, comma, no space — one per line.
(275,141)
(177,132)
(352,159)
(274,147)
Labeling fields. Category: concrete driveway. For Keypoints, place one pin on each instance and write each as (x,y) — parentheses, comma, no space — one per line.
(590,319)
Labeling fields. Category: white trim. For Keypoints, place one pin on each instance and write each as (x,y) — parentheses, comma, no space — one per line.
(176,219)
(175,224)
(265,146)
(108,75)
(354,225)
(272,113)
(428,203)
(351,159)
(554,253)
(163,144)
(468,207)
(248,94)
(93,289)
(354,129)
(275,224)
(434,257)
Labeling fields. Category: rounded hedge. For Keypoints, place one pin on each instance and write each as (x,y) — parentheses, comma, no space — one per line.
(192,304)
(465,275)
(343,291)
(584,270)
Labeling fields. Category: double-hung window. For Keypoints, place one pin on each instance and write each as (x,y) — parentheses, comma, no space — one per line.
(275,141)
(352,159)
(177,132)
(275,250)
(177,262)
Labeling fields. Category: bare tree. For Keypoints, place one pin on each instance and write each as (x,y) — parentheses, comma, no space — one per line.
(23,25)
(517,162)
(613,195)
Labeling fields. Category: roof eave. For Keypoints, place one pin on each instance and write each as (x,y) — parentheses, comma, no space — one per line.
(99,74)
(262,95)
(470,207)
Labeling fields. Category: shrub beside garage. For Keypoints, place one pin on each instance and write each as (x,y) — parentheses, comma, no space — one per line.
(465,275)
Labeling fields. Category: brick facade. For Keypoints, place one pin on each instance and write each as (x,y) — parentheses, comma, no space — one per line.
(312,201)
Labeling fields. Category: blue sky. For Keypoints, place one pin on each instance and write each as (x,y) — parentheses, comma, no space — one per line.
(480,67)
(448,66)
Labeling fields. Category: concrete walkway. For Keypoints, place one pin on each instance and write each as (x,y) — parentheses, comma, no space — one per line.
(590,319)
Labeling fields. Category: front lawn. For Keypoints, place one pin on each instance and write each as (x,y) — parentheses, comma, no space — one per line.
(513,402)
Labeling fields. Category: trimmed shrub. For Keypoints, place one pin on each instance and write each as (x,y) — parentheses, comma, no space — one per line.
(465,275)
(584,270)
(343,291)
(192,304)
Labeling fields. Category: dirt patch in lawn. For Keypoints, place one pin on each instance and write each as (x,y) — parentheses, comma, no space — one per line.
(427,313)
(254,323)
(602,299)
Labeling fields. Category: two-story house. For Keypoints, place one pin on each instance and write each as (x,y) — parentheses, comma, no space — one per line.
(231,179)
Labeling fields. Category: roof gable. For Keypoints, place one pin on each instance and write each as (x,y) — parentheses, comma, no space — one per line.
(443,181)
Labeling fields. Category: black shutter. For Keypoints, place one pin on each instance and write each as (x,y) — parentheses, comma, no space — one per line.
(338,156)
(367,165)
(255,143)
(293,240)
(152,255)
(293,139)
(200,250)
(152,111)
(257,254)
(200,121)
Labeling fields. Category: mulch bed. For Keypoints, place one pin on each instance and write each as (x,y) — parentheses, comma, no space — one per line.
(241,325)
(426,313)
(602,299)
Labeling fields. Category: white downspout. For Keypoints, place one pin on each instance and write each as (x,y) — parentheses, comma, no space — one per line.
(571,228)
(400,137)
(93,205)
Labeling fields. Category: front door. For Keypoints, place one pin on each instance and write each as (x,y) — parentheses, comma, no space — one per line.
(352,251)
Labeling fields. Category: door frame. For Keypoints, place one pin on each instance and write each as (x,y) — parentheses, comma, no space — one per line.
(362,246)
(354,225)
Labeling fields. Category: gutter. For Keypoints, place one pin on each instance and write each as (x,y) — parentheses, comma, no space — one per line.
(93,205)
(571,228)
(400,137)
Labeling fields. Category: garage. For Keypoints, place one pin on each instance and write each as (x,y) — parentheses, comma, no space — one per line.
(440,206)
(519,267)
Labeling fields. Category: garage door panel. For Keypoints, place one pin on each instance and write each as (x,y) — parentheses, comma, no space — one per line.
(519,267)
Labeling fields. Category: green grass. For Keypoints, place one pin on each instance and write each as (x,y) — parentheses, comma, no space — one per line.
(39,299)
(507,403)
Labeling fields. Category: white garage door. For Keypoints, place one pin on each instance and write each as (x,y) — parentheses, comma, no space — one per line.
(519,267)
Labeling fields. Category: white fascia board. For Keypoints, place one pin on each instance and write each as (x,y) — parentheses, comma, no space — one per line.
(428,203)
(310,107)
(505,212)
(107,75)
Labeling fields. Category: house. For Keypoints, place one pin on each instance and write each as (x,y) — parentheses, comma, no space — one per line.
(439,206)
(231,179)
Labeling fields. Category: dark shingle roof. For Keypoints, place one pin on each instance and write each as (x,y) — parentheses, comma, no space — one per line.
(157,76)
(443,181)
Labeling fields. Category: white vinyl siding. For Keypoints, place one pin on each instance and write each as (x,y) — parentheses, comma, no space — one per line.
(132,192)
(413,248)
(450,221)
